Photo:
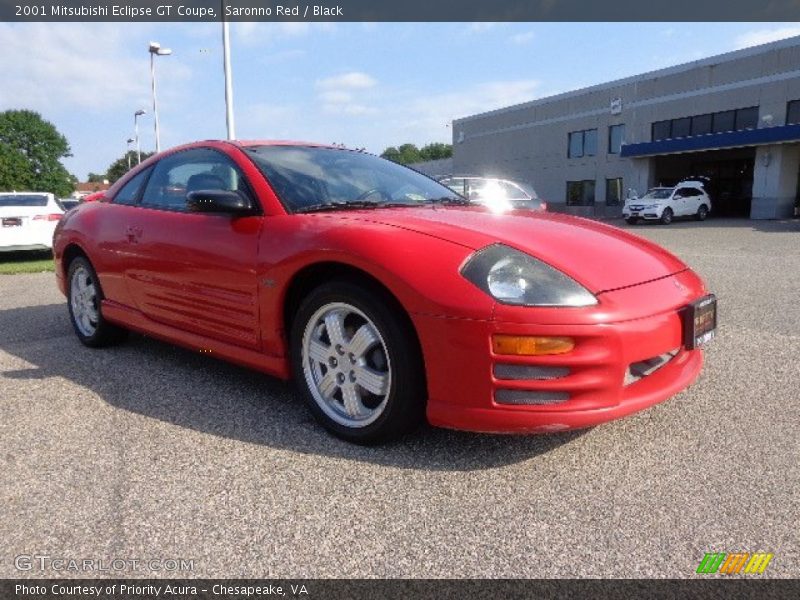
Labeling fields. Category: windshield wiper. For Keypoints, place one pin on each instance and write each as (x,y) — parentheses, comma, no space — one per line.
(450,200)
(353,205)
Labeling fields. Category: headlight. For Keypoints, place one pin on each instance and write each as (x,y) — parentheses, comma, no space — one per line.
(513,277)
(650,206)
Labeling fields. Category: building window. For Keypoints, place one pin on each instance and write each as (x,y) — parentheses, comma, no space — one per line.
(724,121)
(681,127)
(701,124)
(614,191)
(580,193)
(747,118)
(793,112)
(616,133)
(661,130)
(582,143)
(720,122)
(575,144)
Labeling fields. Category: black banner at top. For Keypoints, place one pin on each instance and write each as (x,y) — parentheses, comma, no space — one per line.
(398,10)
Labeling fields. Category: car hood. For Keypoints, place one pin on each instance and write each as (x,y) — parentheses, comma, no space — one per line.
(599,256)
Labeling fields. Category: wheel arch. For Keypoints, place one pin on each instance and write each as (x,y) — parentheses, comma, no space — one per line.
(312,276)
(72,251)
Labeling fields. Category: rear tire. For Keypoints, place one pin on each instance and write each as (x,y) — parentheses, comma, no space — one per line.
(702,213)
(84,299)
(357,364)
(666,216)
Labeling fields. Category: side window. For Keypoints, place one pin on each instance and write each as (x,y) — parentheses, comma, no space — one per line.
(129,194)
(192,170)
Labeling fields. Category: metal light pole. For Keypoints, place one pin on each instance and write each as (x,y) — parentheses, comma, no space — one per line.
(226,64)
(136,116)
(128,152)
(156,50)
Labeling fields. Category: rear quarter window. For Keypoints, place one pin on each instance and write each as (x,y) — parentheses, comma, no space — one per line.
(23,200)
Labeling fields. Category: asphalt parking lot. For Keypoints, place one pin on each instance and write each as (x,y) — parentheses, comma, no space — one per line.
(149,451)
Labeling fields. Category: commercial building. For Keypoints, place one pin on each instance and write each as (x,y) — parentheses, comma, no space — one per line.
(734,118)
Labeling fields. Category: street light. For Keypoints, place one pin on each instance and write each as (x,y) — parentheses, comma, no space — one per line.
(136,116)
(128,152)
(226,65)
(156,50)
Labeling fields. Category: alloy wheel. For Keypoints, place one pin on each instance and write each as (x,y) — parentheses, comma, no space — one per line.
(83,300)
(346,365)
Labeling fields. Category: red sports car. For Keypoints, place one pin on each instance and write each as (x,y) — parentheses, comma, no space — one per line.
(382,292)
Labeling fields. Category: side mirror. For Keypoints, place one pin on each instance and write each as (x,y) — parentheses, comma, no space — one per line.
(218,201)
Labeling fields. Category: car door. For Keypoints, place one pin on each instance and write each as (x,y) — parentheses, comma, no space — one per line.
(679,201)
(195,271)
(113,236)
(693,201)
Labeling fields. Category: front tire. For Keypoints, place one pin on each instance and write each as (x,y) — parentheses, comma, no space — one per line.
(84,298)
(357,364)
(632,220)
(666,216)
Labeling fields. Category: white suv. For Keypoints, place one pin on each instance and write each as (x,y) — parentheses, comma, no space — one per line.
(687,199)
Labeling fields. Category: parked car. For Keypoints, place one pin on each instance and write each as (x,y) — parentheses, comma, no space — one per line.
(497,194)
(384,294)
(68,203)
(687,199)
(28,220)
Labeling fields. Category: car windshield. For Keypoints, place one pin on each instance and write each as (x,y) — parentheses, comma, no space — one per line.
(658,194)
(23,200)
(308,178)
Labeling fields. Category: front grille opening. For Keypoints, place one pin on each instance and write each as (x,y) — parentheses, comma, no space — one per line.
(522,372)
(639,370)
(526,397)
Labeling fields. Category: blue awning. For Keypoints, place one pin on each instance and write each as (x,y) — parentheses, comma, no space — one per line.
(715,141)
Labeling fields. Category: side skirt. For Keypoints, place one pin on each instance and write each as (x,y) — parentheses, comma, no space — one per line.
(277,366)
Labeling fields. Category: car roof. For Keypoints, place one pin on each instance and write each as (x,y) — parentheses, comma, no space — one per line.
(252,143)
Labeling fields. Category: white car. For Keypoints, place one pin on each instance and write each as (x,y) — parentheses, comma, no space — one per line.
(687,199)
(28,220)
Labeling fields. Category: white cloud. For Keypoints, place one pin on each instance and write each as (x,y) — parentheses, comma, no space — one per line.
(347,81)
(427,117)
(61,67)
(764,36)
(346,94)
(523,38)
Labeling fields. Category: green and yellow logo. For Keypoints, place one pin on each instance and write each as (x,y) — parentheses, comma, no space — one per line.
(733,564)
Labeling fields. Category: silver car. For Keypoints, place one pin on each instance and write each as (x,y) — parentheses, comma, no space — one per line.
(499,195)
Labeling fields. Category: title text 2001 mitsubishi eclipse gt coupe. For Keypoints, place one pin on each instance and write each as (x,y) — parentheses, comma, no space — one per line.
(383,293)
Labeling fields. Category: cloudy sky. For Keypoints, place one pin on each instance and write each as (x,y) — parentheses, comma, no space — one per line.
(370,85)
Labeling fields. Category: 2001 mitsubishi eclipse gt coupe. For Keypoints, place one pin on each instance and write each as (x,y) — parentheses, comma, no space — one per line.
(387,296)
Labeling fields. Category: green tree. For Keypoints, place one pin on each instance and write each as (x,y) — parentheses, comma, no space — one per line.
(409,153)
(391,153)
(120,166)
(96,178)
(436,151)
(31,150)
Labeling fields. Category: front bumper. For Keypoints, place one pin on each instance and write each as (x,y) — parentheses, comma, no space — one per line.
(597,387)
(644,213)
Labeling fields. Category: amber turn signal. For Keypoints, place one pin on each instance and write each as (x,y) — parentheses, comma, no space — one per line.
(526,345)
